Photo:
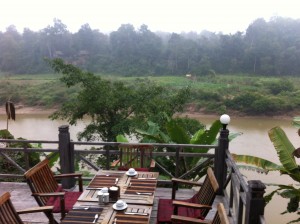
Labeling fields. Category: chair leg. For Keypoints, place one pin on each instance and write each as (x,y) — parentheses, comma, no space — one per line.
(62,208)
(51,218)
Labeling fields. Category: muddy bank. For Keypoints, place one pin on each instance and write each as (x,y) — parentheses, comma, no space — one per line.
(190,114)
(28,110)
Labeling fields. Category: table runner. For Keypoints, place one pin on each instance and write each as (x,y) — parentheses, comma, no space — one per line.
(141,214)
(104,180)
(141,185)
(80,215)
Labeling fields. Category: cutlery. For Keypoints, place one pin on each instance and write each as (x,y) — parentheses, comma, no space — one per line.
(96,217)
(94,188)
(144,193)
(84,208)
(135,213)
(117,179)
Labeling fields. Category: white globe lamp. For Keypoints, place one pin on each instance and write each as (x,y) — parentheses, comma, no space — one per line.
(224,119)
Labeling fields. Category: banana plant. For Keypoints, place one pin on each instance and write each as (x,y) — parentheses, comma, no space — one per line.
(286,153)
(175,133)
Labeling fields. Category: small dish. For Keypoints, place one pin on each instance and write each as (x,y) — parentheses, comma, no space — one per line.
(131,175)
(119,208)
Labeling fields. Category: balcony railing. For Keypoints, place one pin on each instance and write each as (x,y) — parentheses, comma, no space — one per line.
(244,200)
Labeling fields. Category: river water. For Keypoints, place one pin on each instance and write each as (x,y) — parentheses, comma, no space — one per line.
(254,141)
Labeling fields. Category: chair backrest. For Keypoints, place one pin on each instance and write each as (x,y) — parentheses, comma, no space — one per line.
(41,179)
(220,216)
(207,193)
(8,213)
(138,156)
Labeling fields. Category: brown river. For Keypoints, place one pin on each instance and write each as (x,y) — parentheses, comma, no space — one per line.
(254,141)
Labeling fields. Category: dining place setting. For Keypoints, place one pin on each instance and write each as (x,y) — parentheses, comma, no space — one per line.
(83,214)
(116,197)
(126,213)
(129,214)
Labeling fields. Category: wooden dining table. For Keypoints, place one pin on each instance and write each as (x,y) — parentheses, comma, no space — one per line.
(137,191)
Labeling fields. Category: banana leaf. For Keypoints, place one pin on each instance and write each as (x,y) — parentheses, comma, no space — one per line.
(231,136)
(257,162)
(121,138)
(285,151)
(294,221)
(290,193)
(269,196)
(208,137)
(153,134)
(177,133)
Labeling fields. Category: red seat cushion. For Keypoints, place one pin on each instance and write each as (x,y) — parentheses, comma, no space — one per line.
(165,210)
(137,169)
(70,199)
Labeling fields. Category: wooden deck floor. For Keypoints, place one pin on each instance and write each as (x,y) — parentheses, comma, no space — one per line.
(21,198)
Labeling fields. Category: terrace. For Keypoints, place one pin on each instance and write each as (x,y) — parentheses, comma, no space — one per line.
(243,200)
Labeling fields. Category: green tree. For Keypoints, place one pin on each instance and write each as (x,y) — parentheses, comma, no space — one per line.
(10,49)
(114,108)
(92,49)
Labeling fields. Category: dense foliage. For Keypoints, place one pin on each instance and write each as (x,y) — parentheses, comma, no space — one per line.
(6,166)
(114,107)
(179,131)
(266,48)
(217,94)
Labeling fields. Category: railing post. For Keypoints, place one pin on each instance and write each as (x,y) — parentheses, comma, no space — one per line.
(177,159)
(107,154)
(66,154)
(220,167)
(255,203)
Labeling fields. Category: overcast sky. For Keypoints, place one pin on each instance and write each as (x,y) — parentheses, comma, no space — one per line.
(227,16)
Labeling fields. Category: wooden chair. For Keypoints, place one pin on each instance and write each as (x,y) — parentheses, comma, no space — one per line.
(196,207)
(219,218)
(8,213)
(135,156)
(47,191)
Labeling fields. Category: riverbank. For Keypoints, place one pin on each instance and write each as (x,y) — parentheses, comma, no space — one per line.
(29,110)
(20,110)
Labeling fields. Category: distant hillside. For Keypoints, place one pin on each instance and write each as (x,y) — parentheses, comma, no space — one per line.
(266,48)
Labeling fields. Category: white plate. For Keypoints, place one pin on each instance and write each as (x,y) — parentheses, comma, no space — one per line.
(131,175)
(119,209)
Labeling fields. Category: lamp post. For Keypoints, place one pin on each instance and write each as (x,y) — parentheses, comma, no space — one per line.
(220,167)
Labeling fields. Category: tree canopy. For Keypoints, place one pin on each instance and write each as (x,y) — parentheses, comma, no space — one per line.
(266,48)
(114,107)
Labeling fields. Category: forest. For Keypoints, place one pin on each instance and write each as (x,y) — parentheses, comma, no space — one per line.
(266,48)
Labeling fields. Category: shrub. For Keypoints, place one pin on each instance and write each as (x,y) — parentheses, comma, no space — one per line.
(18,157)
(283,85)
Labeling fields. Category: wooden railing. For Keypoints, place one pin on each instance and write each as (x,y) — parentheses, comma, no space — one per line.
(244,200)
